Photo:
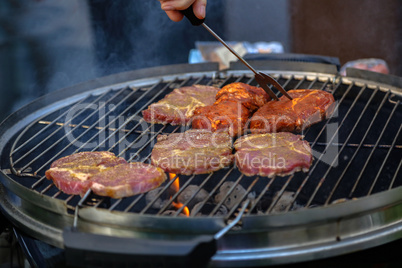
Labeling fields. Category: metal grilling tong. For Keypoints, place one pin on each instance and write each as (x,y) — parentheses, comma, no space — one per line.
(262,79)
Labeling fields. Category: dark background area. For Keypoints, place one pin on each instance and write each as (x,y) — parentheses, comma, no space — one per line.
(137,34)
(349,30)
(52,44)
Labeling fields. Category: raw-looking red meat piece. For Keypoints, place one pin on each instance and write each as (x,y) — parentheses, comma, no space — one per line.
(195,151)
(307,108)
(104,173)
(272,154)
(234,105)
(127,180)
(177,107)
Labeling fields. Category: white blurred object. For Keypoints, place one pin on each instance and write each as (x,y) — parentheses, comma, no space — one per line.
(374,65)
(264,47)
(215,52)
(225,56)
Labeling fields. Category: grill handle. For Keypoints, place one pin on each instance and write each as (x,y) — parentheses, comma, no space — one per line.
(84,249)
(88,249)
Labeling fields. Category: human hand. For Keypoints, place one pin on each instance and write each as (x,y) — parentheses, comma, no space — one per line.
(173,8)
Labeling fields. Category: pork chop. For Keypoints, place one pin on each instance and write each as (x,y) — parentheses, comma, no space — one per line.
(234,105)
(196,151)
(249,96)
(307,108)
(177,107)
(272,154)
(104,173)
(229,116)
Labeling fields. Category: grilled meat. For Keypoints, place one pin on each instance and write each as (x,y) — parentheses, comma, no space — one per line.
(195,151)
(177,107)
(249,96)
(229,116)
(307,108)
(127,180)
(234,105)
(103,173)
(272,154)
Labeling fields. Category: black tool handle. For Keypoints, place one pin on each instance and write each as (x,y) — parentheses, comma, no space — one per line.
(189,14)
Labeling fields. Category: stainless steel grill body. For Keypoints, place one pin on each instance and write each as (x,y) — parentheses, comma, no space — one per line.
(349,200)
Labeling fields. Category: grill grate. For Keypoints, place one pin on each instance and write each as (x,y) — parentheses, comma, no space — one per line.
(356,152)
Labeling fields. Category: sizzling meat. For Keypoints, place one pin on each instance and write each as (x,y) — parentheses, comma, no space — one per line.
(251,97)
(103,173)
(230,116)
(177,107)
(272,154)
(234,104)
(195,151)
(307,108)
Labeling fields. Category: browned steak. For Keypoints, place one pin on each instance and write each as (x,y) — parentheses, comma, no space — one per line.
(195,151)
(234,105)
(249,96)
(307,107)
(103,173)
(229,116)
(272,154)
(178,107)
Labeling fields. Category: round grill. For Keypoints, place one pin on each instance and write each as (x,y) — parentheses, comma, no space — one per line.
(351,194)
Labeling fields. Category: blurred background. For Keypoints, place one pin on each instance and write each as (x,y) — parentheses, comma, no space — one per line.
(52,44)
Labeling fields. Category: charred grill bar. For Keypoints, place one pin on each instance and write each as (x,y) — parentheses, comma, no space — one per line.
(356,161)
